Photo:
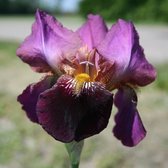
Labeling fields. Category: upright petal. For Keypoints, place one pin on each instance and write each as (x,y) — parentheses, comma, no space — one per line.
(121,45)
(129,127)
(93,31)
(67,116)
(48,43)
(31,50)
(30,95)
(117,44)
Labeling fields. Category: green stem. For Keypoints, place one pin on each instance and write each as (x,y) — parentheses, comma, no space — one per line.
(74,150)
(75,165)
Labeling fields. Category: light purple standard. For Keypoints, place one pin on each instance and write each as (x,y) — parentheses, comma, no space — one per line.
(73,101)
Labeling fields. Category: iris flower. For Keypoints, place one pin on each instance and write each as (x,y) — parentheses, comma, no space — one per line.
(73,101)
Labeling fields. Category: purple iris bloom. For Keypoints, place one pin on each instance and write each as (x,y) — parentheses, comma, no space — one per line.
(73,101)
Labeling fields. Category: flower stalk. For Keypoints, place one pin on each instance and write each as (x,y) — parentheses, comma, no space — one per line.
(74,150)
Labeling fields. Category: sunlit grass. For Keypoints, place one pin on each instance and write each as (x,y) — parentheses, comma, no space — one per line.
(162,78)
(112,160)
(7,52)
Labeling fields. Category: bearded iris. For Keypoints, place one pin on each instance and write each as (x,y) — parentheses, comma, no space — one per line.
(73,101)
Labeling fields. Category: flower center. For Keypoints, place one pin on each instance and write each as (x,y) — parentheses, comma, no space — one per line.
(86,70)
(82,77)
(80,82)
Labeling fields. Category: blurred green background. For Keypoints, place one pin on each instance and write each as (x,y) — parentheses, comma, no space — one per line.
(136,10)
(25,145)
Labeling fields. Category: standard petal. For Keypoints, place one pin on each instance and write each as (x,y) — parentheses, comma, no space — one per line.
(48,44)
(117,44)
(31,51)
(30,95)
(67,117)
(93,31)
(121,45)
(129,127)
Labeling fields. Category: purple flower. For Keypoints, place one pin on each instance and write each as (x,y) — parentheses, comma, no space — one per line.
(74,100)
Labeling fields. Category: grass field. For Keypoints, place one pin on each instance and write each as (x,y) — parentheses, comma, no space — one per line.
(25,145)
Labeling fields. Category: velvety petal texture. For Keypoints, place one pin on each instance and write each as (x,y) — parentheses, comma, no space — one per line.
(67,116)
(30,95)
(121,46)
(48,44)
(93,31)
(129,127)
